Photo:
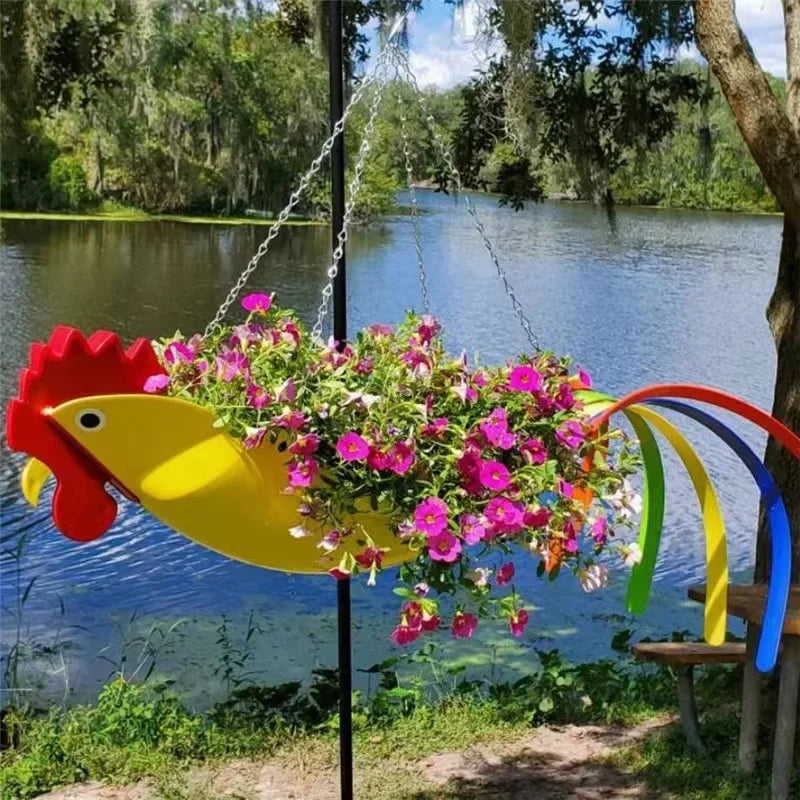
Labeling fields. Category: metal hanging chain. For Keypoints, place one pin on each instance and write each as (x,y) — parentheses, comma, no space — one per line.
(294,198)
(423,282)
(354,188)
(401,63)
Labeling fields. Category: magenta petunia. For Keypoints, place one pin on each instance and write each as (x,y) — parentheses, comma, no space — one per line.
(179,353)
(257,396)
(302,472)
(370,557)
(472,531)
(305,445)
(464,625)
(570,434)
(400,458)
(436,428)
(405,634)
(505,574)
(518,622)
(565,488)
(352,447)
(231,364)
(494,475)
(524,378)
(254,437)
(258,301)
(291,419)
(585,379)
(599,528)
(431,516)
(443,546)
(156,383)
(537,518)
(504,514)
(533,451)
(495,429)
(378,459)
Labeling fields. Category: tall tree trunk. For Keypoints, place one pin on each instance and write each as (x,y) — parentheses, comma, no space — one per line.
(772,134)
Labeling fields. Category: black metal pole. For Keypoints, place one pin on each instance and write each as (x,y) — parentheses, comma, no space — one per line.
(336,76)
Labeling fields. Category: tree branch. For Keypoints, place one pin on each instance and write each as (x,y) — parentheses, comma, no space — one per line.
(772,139)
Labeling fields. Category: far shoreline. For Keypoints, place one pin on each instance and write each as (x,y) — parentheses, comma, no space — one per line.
(135,215)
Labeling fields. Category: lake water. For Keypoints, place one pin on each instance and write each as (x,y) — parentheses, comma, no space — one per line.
(652,295)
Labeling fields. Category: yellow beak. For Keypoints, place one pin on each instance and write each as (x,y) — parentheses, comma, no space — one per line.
(33,478)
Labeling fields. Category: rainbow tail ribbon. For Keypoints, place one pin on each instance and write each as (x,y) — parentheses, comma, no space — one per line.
(637,407)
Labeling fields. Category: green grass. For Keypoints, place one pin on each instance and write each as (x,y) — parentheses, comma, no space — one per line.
(139,731)
(669,768)
(112,212)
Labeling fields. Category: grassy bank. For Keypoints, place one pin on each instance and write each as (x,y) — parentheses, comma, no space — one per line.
(112,213)
(136,732)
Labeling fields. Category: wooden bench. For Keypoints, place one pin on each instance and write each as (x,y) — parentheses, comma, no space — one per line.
(684,657)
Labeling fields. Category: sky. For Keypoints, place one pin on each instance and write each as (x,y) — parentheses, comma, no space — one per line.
(445,48)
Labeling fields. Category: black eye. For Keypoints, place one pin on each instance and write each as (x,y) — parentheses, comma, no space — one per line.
(282,446)
(90,419)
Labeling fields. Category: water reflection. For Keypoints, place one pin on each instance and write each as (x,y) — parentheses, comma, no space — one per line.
(659,295)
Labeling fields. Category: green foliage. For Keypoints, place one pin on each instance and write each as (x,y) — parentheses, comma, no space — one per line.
(68,188)
(137,730)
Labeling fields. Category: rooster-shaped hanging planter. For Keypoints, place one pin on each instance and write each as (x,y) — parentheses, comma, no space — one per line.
(458,461)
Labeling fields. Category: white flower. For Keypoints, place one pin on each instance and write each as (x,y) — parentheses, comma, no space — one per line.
(594,577)
(626,501)
(299,532)
(479,576)
(330,541)
(362,398)
(632,555)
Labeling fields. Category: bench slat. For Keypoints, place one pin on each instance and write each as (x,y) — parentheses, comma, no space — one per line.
(690,652)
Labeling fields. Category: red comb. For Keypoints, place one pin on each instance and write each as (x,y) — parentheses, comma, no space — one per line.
(70,366)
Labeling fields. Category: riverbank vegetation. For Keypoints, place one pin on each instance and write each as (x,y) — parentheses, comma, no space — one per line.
(137,731)
(216,108)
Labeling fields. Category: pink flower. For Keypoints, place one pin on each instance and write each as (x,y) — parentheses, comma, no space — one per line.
(585,379)
(351,447)
(533,451)
(178,353)
(505,574)
(524,379)
(430,516)
(378,459)
(302,472)
(156,383)
(469,466)
(494,476)
(444,546)
(504,514)
(565,488)
(428,329)
(495,429)
(257,302)
(400,458)
(537,519)
(518,621)
(471,529)
(430,622)
(378,330)
(365,366)
(436,428)
(404,634)
(570,434)
(571,545)
(231,364)
(290,333)
(340,573)
(599,528)
(464,625)
(330,541)
(565,399)
(465,392)
(370,557)
(287,392)
(257,396)
(421,589)
(294,420)
(305,445)
(254,437)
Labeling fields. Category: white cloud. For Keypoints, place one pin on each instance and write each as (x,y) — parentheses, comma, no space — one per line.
(450,51)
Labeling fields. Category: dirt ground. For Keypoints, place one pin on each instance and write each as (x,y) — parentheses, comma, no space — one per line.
(558,763)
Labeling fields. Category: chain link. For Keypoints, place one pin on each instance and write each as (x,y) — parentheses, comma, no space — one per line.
(294,198)
(423,281)
(353,190)
(401,63)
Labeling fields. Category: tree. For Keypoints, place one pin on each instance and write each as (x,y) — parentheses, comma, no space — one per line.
(772,133)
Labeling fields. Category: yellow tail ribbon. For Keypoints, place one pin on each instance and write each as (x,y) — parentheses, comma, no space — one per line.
(716,616)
